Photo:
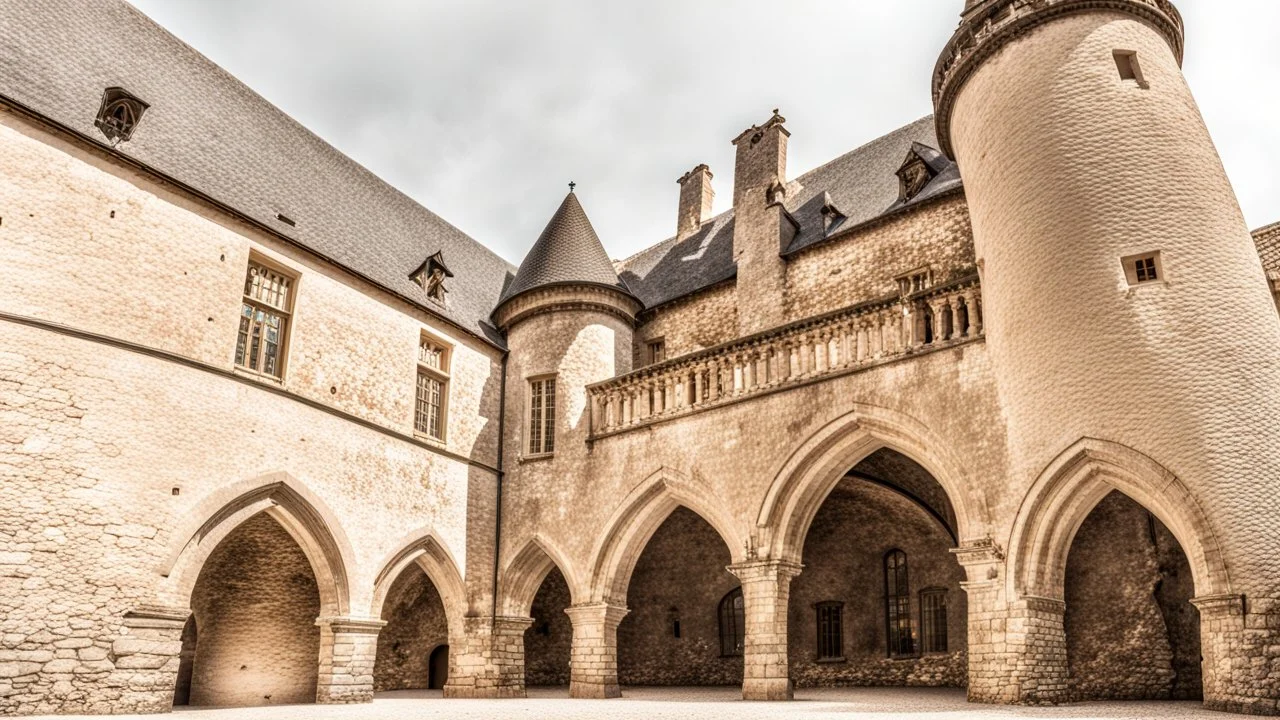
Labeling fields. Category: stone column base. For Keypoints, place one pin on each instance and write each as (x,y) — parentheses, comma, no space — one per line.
(593,663)
(348,648)
(146,658)
(488,661)
(766,590)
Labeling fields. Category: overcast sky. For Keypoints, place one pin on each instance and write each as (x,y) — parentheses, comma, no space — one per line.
(484,110)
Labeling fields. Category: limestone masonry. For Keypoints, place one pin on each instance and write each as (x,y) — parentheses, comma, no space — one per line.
(990,402)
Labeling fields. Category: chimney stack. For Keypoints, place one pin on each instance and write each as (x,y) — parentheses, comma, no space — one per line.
(696,197)
(761,227)
(761,159)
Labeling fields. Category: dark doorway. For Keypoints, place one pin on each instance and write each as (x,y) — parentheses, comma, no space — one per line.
(439,670)
(186,663)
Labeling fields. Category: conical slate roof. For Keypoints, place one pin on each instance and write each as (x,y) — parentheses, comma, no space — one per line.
(567,251)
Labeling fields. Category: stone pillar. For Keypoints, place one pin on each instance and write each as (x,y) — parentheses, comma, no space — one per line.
(766,588)
(1240,646)
(348,647)
(593,661)
(488,660)
(146,657)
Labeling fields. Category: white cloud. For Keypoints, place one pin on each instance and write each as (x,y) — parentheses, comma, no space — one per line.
(483,110)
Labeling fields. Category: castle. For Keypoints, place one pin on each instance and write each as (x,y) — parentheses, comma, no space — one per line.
(990,402)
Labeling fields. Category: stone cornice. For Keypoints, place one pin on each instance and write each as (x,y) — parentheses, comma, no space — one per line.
(988,26)
(570,296)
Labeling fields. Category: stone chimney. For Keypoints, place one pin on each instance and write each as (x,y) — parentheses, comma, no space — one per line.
(696,197)
(761,226)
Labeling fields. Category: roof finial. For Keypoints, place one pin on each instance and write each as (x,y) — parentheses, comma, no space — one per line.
(572,185)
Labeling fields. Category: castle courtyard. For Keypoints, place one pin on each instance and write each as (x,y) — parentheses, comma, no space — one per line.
(697,703)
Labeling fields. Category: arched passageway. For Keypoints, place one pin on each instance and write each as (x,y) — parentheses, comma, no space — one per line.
(1131,630)
(879,601)
(548,642)
(417,628)
(255,605)
(671,634)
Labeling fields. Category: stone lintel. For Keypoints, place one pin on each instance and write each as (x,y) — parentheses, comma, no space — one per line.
(157,617)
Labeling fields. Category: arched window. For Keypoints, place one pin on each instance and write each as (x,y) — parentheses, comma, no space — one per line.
(732,624)
(897,598)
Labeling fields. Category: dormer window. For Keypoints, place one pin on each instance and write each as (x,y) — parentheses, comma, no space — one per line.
(831,215)
(431,276)
(119,114)
(913,176)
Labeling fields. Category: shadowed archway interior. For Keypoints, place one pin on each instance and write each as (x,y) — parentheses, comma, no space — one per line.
(416,628)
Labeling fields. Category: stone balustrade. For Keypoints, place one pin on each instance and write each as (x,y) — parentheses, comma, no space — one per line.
(825,346)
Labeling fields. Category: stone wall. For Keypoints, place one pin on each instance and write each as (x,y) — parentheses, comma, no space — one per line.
(255,608)
(547,643)
(1132,633)
(699,321)
(681,577)
(844,561)
(863,265)
(416,625)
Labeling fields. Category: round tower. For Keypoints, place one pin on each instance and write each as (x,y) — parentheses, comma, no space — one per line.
(1124,302)
(569,322)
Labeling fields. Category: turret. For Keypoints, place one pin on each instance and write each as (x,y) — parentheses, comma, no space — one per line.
(1124,306)
(569,322)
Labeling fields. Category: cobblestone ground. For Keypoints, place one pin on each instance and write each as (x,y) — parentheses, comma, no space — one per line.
(695,704)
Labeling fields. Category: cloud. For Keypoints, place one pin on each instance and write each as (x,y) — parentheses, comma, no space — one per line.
(484,110)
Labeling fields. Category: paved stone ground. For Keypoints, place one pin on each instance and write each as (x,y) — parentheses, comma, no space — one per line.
(696,704)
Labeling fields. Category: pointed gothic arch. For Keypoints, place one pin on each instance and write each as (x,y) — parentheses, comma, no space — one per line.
(638,516)
(426,550)
(286,500)
(817,465)
(524,575)
(1072,485)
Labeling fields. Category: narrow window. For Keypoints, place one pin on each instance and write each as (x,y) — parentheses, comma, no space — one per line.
(1127,64)
(830,631)
(656,351)
(432,389)
(933,620)
(264,320)
(542,416)
(732,624)
(898,604)
(1145,268)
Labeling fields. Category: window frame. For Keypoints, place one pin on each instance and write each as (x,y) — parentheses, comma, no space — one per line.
(1129,264)
(824,613)
(897,606)
(737,616)
(441,374)
(928,639)
(650,356)
(536,413)
(284,313)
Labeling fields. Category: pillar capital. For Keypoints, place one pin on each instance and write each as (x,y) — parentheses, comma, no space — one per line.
(753,571)
(605,613)
(351,625)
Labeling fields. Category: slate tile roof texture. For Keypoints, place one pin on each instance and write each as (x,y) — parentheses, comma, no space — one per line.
(210,132)
(567,251)
(862,184)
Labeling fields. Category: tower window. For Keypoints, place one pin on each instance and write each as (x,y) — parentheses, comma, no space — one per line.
(897,599)
(542,416)
(1127,64)
(830,631)
(732,624)
(1142,269)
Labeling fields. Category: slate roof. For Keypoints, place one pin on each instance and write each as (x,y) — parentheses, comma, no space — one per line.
(1267,240)
(210,132)
(567,251)
(862,185)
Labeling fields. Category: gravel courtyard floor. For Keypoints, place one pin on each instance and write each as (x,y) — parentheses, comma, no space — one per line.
(696,704)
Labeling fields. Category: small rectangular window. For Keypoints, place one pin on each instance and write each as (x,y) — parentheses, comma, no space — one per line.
(542,416)
(432,389)
(830,631)
(1141,269)
(933,620)
(656,350)
(1127,64)
(264,319)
